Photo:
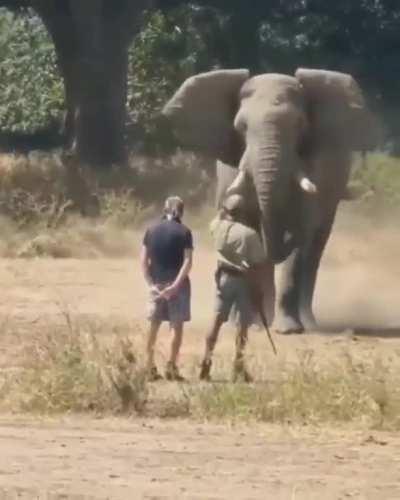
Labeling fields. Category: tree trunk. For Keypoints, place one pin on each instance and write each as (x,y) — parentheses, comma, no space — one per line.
(60,28)
(91,40)
(99,119)
(101,69)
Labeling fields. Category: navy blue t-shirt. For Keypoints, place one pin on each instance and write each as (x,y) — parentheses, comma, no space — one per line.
(166,243)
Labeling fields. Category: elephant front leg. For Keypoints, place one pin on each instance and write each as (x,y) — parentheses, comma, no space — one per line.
(294,301)
(287,308)
(299,274)
(309,266)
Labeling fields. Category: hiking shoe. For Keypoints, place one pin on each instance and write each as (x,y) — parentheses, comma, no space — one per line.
(172,373)
(205,370)
(153,375)
(240,374)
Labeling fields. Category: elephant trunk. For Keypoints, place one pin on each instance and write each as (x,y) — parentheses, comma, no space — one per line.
(273,167)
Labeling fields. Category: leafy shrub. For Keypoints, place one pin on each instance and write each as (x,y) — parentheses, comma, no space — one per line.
(380,179)
(170,48)
(31,90)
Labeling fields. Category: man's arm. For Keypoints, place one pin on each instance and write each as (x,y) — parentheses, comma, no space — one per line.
(171,290)
(145,265)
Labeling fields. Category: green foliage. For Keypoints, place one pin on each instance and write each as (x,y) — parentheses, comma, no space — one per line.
(170,48)
(356,37)
(360,38)
(380,178)
(31,90)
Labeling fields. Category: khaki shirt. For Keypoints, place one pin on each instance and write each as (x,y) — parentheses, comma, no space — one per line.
(237,244)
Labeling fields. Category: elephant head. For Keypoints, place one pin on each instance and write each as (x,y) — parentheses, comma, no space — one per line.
(270,126)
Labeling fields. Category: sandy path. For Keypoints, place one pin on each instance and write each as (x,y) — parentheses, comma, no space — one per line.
(164,460)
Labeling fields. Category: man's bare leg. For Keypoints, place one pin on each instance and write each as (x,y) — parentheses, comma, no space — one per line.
(176,342)
(151,341)
(211,341)
(172,369)
(239,369)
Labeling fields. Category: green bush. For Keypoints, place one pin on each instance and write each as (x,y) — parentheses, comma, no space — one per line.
(379,177)
(31,89)
(168,50)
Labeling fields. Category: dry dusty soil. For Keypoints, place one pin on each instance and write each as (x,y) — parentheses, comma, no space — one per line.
(124,460)
(80,457)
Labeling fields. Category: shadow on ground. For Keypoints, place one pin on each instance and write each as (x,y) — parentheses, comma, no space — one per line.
(360,330)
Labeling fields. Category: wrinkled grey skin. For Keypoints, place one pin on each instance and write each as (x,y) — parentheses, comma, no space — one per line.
(277,130)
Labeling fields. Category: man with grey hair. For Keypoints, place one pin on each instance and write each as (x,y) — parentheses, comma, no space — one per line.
(166,260)
(242,264)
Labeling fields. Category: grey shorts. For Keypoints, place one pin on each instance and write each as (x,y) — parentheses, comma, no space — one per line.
(233,296)
(174,310)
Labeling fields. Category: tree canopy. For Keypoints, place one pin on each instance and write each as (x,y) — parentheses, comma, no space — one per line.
(179,38)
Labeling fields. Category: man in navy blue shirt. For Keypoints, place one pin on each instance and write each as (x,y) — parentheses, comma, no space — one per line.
(166,261)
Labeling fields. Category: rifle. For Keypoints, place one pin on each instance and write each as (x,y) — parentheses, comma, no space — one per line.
(257,301)
(265,324)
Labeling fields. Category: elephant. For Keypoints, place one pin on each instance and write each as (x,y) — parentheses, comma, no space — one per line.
(285,143)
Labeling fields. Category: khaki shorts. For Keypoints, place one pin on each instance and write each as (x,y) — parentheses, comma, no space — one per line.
(233,296)
(174,310)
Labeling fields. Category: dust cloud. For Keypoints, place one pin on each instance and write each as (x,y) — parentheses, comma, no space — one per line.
(358,283)
(357,287)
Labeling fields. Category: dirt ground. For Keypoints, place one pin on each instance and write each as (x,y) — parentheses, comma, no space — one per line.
(79,459)
(357,297)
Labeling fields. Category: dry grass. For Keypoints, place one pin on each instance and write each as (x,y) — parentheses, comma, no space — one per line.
(302,393)
(69,369)
(76,238)
(85,366)
(53,175)
(47,212)
(41,203)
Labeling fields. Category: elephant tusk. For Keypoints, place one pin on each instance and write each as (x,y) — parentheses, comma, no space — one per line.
(238,184)
(306,185)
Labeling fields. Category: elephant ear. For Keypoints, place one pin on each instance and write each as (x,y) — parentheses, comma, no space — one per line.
(338,113)
(202,113)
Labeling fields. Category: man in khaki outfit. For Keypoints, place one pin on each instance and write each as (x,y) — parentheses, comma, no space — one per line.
(240,255)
